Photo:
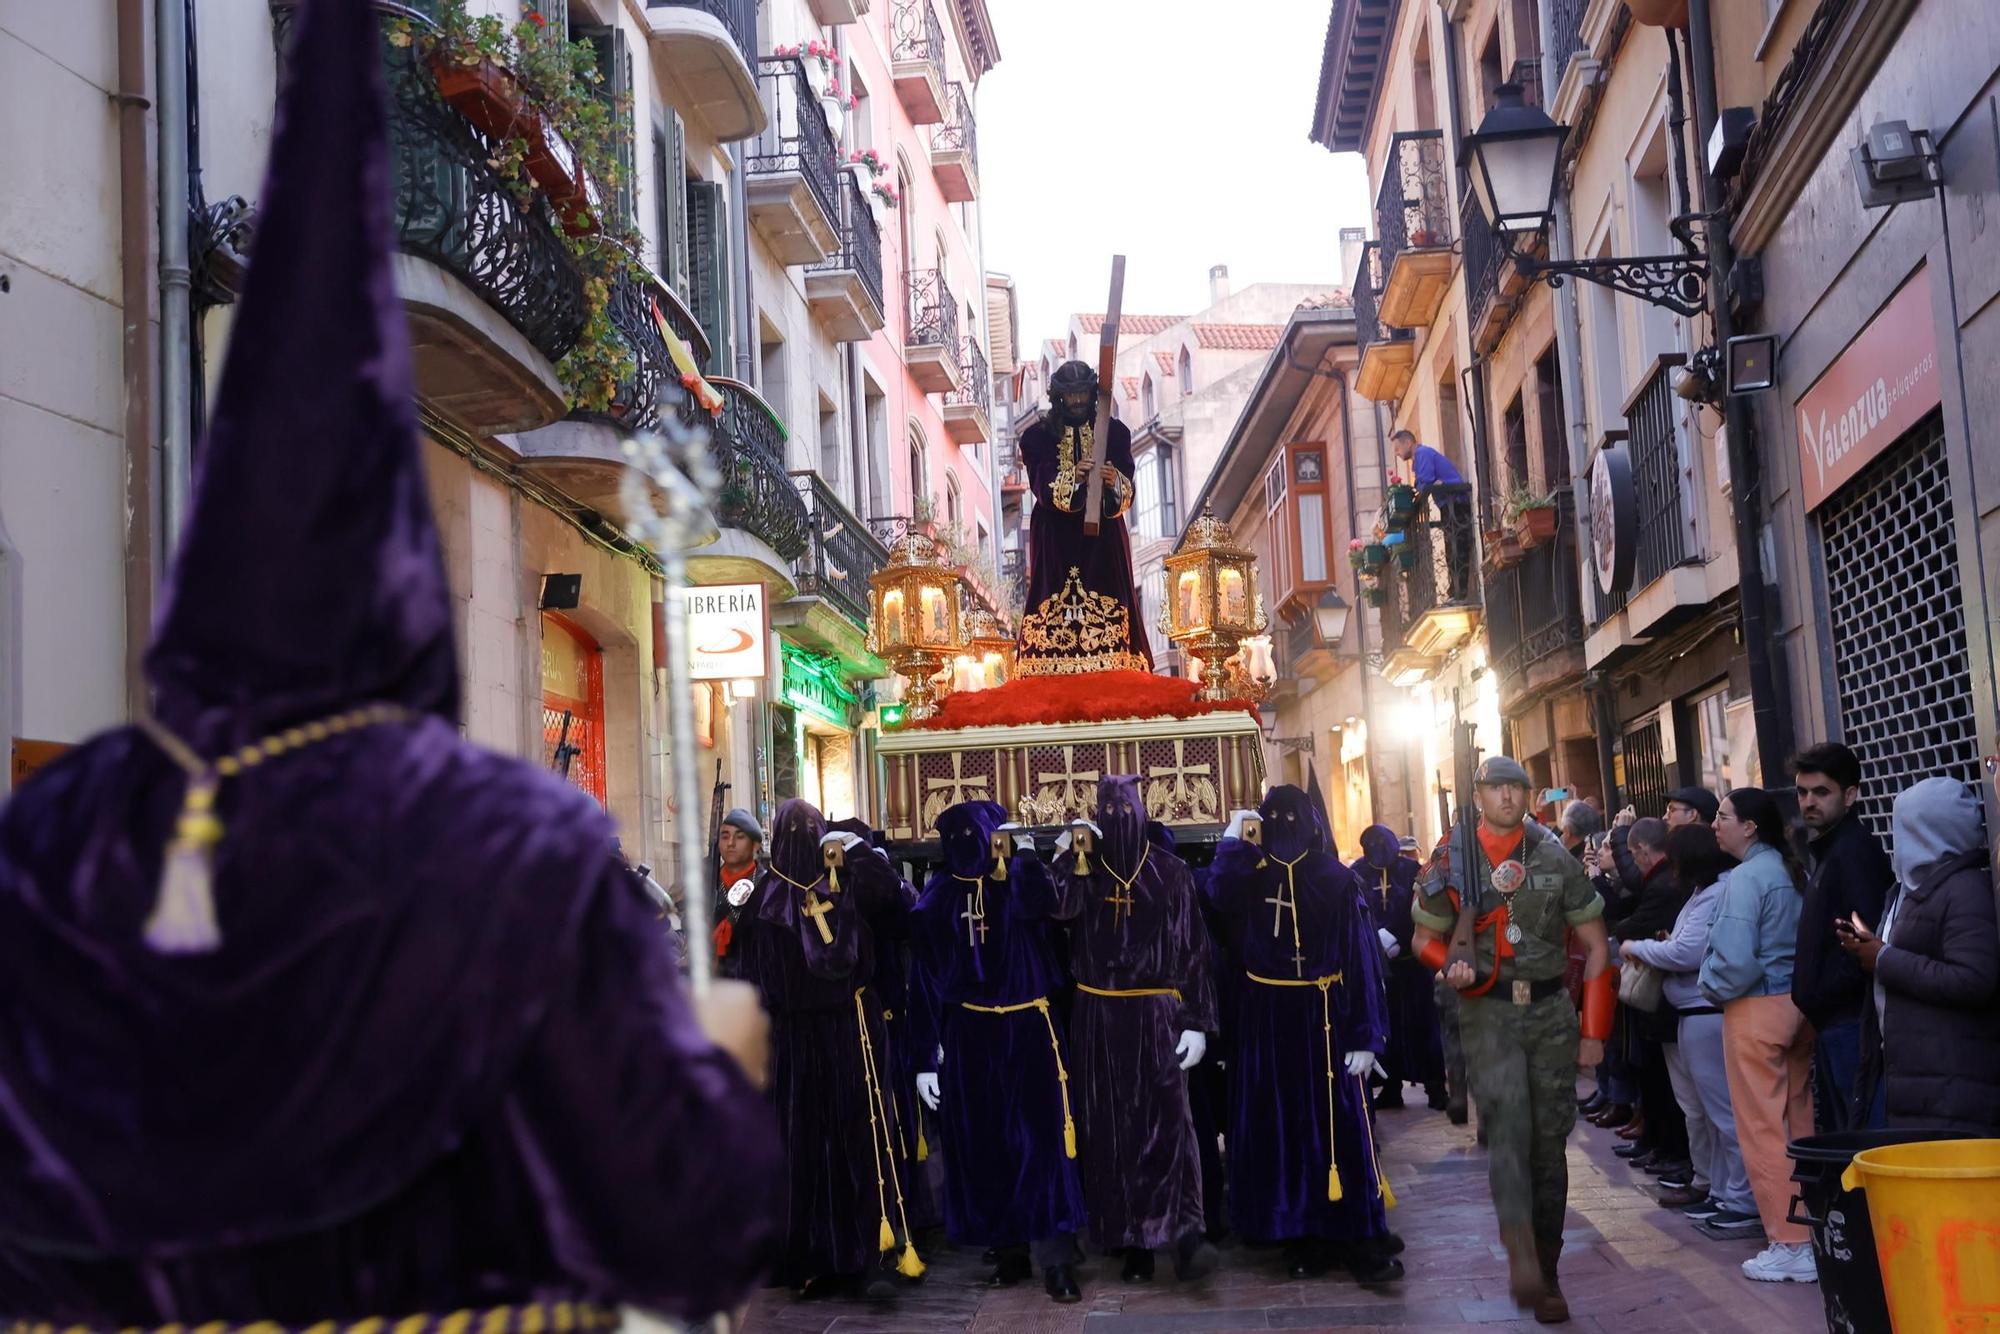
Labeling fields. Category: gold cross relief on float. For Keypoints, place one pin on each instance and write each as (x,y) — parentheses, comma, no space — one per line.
(940,793)
(1169,784)
(1065,782)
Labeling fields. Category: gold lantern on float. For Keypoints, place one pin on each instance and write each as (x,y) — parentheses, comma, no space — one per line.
(990,648)
(915,625)
(1212,603)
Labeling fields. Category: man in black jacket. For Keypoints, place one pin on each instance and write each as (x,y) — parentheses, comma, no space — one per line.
(1848,872)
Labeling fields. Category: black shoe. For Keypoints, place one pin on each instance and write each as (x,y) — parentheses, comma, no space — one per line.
(1589,1104)
(1138,1265)
(1059,1281)
(1614,1115)
(1390,1099)
(1457,1112)
(1194,1258)
(1390,1243)
(1628,1152)
(1369,1266)
(1662,1166)
(1436,1098)
(1482,1134)
(1010,1267)
(1303,1259)
(990,1256)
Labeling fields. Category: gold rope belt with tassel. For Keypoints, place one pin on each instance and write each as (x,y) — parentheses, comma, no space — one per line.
(909,1266)
(1087,989)
(1325,985)
(1041,1003)
(183,920)
(532,1318)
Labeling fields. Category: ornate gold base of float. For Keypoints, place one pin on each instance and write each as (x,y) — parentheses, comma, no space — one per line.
(1193,771)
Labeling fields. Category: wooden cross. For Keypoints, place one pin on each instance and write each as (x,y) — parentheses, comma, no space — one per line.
(817,908)
(1068,778)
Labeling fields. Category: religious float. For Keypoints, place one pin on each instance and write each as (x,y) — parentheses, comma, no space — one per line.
(1032,720)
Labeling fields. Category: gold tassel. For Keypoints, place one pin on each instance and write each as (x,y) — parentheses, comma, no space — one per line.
(910,1266)
(833,879)
(183,919)
(1332,1183)
(1069,1137)
(1388,1196)
(1082,862)
(999,868)
(923,1146)
(887,1240)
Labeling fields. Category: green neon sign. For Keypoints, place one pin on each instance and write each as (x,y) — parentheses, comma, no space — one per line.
(817,686)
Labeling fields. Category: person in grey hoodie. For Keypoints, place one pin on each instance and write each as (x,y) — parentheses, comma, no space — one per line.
(1934,1030)
(1719,1194)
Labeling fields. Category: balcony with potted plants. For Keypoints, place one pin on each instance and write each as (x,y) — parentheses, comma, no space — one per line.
(830,610)
(1430,583)
(1414,223)
(955,150)
(930,340)
(1534,614)
(790,170)
(1388,355)
(916,53)
(766,523)
(968,409)
(707,46)
(845,289)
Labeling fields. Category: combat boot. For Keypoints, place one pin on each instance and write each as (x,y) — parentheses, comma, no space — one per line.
(1551,1308)
(1524,1266)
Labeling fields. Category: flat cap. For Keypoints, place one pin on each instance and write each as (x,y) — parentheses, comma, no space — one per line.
(1500,769)
(1704,802)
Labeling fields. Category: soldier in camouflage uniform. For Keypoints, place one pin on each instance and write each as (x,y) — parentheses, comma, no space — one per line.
(1517,1024)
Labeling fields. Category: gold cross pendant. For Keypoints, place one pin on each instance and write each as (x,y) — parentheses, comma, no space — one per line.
(817,908)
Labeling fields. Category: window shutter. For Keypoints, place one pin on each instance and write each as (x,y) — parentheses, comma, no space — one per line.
(708,262)
(555,14)
(614,63)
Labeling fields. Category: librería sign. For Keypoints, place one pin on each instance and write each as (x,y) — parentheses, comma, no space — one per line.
(729,632)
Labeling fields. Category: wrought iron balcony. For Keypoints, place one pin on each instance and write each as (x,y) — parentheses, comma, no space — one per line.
(757,493)
(1414,223)
(955,150)
(930,339)
(1013,565)
(1653,437)
(1566,25)
(653,390)
(917,60)
(841,555)
(1533,609)
(1432,585)
(845,288)
(968,409)
(710,48)
(1388,356)
(790,170)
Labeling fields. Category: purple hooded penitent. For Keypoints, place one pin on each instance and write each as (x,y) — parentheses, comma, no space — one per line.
(1415,1051)
(440,1058)
(1302,1157)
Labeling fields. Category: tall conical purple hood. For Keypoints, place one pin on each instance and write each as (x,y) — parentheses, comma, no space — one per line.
(309,578)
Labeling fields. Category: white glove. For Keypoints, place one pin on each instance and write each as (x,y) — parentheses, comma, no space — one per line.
(1062,839)
(1236,819)
(927,1089)
(1389,945)
(1023,840)
(1192,1047)
(842,837)
(1360,1063)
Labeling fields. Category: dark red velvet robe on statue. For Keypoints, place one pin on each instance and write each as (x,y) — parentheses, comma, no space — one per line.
(1056,543)
(1281,1143)
(1008,1180)
(822,1001)
(1141,1164)
(440,1058)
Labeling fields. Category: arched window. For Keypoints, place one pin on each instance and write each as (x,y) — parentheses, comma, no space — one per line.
(954,509)
(1187,371)
(1146,409)
(920,493)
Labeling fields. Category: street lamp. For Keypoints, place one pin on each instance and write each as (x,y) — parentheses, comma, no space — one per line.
(1513,162)
(1330,615)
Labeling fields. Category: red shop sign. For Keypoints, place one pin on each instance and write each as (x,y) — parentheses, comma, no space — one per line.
(1880,387)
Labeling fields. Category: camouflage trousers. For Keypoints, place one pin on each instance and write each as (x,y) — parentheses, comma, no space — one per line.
(1522,1062)
(1454,1046)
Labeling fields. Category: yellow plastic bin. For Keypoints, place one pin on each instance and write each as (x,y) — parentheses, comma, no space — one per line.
(1935,1208)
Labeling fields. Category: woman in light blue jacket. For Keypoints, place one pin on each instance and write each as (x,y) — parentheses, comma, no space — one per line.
(1766,1042)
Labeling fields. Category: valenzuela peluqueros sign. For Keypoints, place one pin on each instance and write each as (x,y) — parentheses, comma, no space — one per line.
(1880,387)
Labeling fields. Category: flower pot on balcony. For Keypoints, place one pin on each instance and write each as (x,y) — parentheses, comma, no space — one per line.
(552,163)
(1402,505)
(1503,549)
(1535,526)
(1374,556)
(1373,596)
(582,211)
(486,93)
(1406,557)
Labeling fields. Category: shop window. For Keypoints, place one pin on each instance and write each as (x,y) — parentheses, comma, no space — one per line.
(573,704)
(1725,741)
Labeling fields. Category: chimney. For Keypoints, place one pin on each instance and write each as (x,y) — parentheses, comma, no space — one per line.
(1218,284)
(1351,241)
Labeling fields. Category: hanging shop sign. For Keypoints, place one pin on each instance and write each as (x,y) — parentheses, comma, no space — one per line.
(729,632)
(815,686)
(1880,387)
(1614,518)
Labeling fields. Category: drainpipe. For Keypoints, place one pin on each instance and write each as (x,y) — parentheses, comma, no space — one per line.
(1774,725)
(1409,769)
(135,241)
(739,223)
(176,319)
(1361,622)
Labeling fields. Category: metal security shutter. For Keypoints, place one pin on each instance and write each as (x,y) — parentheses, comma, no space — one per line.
(708,263)
(1646,770)
(1902,668)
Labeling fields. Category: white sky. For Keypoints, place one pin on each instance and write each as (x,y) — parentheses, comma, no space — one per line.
(1198,116)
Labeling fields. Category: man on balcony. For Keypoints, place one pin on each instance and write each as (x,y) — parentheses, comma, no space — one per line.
(1082,615)
(1429,470)
(1428,467)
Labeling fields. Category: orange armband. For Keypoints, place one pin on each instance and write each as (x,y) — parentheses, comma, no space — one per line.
(1432,955)
(1600,1000)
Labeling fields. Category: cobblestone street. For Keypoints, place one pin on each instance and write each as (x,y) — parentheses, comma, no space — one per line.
(1629,1267)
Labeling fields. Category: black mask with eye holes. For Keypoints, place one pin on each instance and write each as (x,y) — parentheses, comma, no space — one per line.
(1121,813)
(965,835)
(1073,393)
(1290,831)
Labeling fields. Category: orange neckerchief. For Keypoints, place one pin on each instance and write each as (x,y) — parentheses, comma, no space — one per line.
(1500,847)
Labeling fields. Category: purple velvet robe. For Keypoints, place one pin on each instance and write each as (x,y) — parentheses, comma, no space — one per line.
(831,1058)
(1056,542)
(1282,1142)
(1008,1178)
(1141,1164)
(441,1057)
(1415,1052)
